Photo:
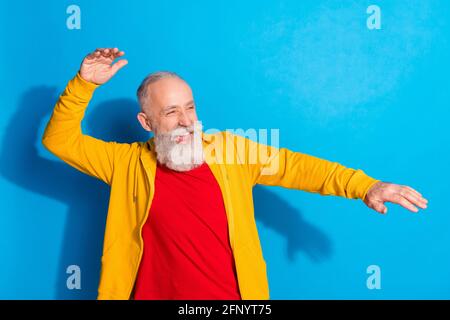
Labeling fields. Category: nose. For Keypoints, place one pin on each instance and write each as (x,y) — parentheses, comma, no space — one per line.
(184,120)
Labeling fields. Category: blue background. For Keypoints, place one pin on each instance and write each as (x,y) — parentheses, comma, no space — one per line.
(370,99)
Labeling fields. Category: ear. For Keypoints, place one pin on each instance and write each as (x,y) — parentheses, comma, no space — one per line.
(144,121)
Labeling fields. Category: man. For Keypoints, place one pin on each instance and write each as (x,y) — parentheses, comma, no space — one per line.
(180,221)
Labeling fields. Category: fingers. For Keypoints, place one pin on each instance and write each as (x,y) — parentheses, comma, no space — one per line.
(399,199)
(414,191)
(118,65)
(117,52)
(93,55)
(414,199)
(96,54)
(405,196)
(111,53)
(379,207)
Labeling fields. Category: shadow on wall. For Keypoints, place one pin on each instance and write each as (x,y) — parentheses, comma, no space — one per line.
(279,215)
(87,198)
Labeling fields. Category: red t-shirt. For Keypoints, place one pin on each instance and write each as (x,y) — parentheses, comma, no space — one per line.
(187,253)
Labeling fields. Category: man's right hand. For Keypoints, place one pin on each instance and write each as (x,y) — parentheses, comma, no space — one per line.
(97,66)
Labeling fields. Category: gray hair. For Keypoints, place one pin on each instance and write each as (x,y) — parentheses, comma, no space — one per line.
(142,92)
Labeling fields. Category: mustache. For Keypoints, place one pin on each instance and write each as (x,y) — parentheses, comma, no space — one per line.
(182,130)
(195,128)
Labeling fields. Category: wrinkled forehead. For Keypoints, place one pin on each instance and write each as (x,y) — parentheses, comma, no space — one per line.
(169,92)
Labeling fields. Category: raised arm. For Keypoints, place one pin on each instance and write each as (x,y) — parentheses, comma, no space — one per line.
(63,135)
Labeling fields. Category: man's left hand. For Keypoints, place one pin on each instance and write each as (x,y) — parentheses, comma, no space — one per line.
(405,196)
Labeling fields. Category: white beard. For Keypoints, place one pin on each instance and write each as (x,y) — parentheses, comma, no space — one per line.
(180,156)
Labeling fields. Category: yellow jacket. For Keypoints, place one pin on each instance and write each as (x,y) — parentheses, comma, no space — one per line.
(129,169)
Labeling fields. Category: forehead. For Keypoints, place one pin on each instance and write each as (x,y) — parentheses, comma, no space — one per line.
(169,91)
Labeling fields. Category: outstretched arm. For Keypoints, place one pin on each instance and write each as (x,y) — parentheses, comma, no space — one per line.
(286,168)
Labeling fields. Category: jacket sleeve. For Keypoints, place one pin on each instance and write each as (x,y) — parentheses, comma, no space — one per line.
(272,166)
(63,136)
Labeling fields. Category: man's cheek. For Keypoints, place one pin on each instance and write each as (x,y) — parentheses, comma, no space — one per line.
(165,128)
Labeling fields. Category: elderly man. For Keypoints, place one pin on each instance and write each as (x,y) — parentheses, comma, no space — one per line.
(180,221)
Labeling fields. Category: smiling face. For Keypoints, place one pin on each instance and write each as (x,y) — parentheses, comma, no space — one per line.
(169,105)
(168,109)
